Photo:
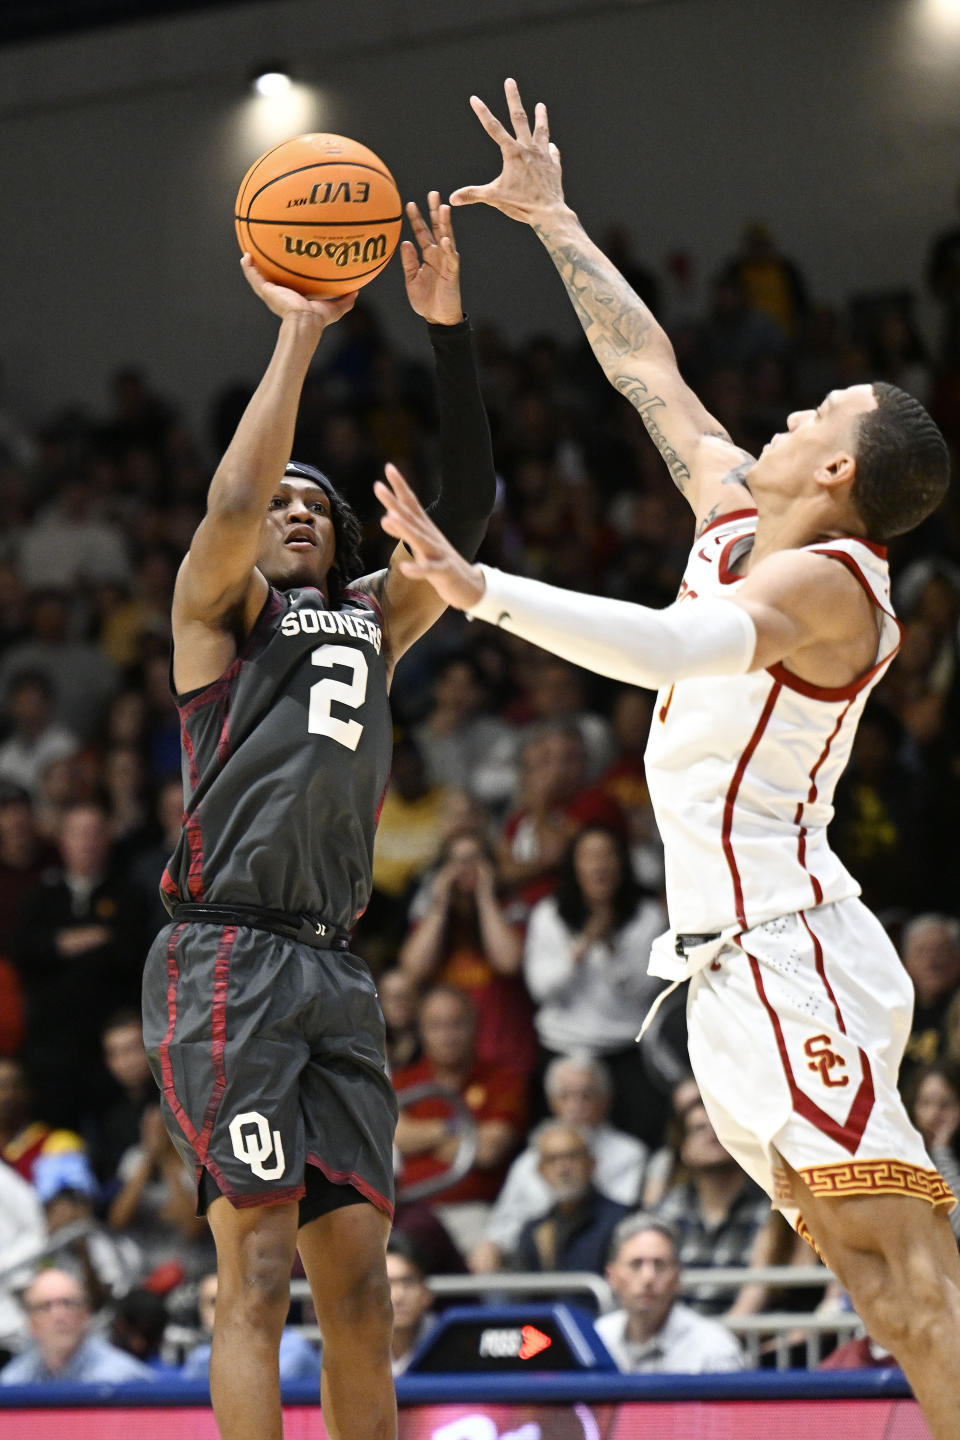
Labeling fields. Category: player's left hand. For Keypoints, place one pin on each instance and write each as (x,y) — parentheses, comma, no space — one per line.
(432,278)
(435,560)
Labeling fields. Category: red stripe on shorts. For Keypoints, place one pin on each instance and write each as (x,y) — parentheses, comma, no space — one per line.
(221,976)
(348,1177)
(166,1069)
(850,1133)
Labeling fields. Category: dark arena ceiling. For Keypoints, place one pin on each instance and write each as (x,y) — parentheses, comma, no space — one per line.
(23,20)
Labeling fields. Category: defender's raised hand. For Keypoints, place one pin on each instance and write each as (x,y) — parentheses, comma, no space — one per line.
(530,186)
(432,278)
(435,560)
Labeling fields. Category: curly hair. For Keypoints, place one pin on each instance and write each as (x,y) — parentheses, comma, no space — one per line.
(348,559)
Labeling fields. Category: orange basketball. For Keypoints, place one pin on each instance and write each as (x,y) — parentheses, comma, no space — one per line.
(319,213)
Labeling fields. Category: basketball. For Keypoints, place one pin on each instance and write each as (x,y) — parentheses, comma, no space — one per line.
(319,213)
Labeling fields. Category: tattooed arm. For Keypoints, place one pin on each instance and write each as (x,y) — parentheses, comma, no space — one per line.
(633,349)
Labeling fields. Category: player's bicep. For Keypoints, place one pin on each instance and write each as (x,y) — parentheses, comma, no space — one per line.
(219,571)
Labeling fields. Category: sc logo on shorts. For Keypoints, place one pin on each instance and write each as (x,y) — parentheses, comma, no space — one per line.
(253,1145)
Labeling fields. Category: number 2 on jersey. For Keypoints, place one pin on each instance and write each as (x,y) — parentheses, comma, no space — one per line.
(352,693)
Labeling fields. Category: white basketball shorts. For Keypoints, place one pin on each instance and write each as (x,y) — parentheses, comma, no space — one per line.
(796,1032)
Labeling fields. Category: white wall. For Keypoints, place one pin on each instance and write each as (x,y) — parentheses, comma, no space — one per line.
(838,121)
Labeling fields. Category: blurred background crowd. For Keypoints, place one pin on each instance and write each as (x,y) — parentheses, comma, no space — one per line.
(518,870)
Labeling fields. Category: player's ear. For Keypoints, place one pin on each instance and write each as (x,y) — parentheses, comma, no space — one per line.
(839,470)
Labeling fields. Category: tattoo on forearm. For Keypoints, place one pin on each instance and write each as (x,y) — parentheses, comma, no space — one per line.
(647,405)
(602,297)
(618,326)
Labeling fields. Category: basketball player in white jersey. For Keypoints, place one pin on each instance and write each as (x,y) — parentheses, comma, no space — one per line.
(798,1006)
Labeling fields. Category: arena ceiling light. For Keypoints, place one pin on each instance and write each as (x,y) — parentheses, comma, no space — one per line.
(271,80)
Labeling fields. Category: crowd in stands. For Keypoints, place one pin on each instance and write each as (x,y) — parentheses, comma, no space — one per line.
(518,871)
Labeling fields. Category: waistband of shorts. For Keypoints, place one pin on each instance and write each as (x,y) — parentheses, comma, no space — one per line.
(683,943)
(307,929)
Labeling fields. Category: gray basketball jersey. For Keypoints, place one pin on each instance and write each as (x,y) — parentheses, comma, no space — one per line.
(286,759)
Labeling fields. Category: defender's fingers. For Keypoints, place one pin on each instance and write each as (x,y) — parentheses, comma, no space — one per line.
(490,123)
(409,259)
(419,226)
(518,115)
(472,194)
(445,225)
(541,125)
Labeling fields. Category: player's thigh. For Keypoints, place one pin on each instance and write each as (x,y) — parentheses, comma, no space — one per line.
(873,1241)
(344,1257)
(256,1246)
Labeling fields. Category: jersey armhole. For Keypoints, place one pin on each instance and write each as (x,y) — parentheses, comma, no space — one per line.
(271,605)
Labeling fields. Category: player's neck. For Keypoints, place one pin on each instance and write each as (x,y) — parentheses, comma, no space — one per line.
(802,522)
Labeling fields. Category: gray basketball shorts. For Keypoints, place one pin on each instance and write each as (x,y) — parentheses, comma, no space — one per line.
(269,1055)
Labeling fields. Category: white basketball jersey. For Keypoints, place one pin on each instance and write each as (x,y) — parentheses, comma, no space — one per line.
(742,769)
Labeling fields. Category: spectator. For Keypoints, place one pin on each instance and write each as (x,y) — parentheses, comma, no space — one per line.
(461,936)
(299,1360)
(138,1325)
(663,1168)
(408,839)
(585,964)
(156,1202)
(24,857)
(23,1233)
(399,998)
(574,1233)
(653,1332)
(556,801)
(64,1349)
(81,678)
(578,1091)
(79,947)
(67,1188)
(717,1211)
(25,1138)
(465,748)
(771,283)
(933,1104)
(625,782)
(69,544)
(411,1299)
(427,1135)
(556,696)
(930,950)
(859,1354)
(124,1056)
(148,865)
(35,739)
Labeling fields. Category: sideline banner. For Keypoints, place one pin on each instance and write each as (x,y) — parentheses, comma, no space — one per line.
(842,1419)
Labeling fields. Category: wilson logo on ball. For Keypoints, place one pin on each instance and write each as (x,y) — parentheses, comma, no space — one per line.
(347,252)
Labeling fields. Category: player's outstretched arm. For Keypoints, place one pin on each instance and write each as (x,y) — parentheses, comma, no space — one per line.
(218,576)
(431,272)
(631,346)
(625,642)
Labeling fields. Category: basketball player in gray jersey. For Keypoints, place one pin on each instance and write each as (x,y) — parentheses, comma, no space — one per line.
(264,1032)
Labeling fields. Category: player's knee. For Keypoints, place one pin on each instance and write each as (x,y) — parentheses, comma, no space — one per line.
(254,1284)
(361,1302)
(904,1309)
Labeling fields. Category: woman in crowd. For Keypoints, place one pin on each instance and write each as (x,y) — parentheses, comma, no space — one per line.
(585,965)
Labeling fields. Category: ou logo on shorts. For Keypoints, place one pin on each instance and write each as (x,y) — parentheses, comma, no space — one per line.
(254,1146)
